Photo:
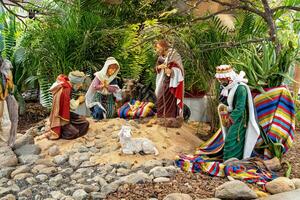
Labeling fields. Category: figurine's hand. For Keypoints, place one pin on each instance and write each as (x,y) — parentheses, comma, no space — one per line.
(162,66)
(168,71)
(81,99)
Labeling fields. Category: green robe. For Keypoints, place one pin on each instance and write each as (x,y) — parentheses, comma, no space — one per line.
(235,138)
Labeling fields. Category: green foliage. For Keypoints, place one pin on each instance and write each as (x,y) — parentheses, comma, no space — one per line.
(262,66)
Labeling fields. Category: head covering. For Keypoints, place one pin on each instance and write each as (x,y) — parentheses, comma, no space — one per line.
(102,75)
(226,71)
(61,81)
(76,77)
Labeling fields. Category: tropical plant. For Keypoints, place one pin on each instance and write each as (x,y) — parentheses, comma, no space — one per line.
(264,68)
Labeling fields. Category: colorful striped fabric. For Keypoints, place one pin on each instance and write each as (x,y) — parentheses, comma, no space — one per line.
(275,113)
(136,109)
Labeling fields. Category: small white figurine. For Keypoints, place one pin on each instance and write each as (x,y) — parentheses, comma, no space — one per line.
(135,145)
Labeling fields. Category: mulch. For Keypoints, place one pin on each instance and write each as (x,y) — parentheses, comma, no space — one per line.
(35,113)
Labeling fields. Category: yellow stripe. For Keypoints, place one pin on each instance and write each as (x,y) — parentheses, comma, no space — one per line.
(279,132)
(268,95)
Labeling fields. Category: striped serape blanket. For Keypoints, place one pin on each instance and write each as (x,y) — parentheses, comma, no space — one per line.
(276,115)
(136,109)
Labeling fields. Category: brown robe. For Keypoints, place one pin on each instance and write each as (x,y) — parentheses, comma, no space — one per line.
(166,102)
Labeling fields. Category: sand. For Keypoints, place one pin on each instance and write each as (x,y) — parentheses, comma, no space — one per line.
(104,135)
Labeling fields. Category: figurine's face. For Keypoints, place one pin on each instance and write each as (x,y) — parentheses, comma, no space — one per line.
(125,132)
(112,69)
(224,81)
(77,86)
(159,49)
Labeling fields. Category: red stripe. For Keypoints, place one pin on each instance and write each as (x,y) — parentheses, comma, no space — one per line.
(283,127)
(283,120)
(266,101)
(285,110)
(265,114)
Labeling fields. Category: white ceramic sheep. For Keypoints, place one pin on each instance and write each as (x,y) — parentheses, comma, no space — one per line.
(135,145)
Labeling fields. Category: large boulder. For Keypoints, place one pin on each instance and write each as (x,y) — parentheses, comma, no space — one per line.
(28,149)
(7,157)
(279,185)
(234,190)
(291,195)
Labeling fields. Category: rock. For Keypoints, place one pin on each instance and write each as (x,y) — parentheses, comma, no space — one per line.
(101,181)
(67,171)
(80,194)
(28,149)
(296,182)
(28,159)
(291,195)
(94,150)
(67,198)
(110,177)
(15,188)
(279,185)
(234,190)
(159,172)
(83,149)
(88,188)
(47,170)
(3,181)
(37,168)
(6,172)
(87,164)
(23,140)
(110,188)
(31,180)
(122,164)
(167,162)
(7,157)
(135,178)
(54,150)
(85,171)
(122,172)
(76,159)
(70,190)
(4,191)
(26,193)
(150,164)
(172,170)
(21,169)
(22,176)
(56,181)
(41,177)
(60,159)
(178,196)
(76,176)
(161,180)
(99,144)
(9,197)
(57,195)
(105,168)
(98,195)
(46,162)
